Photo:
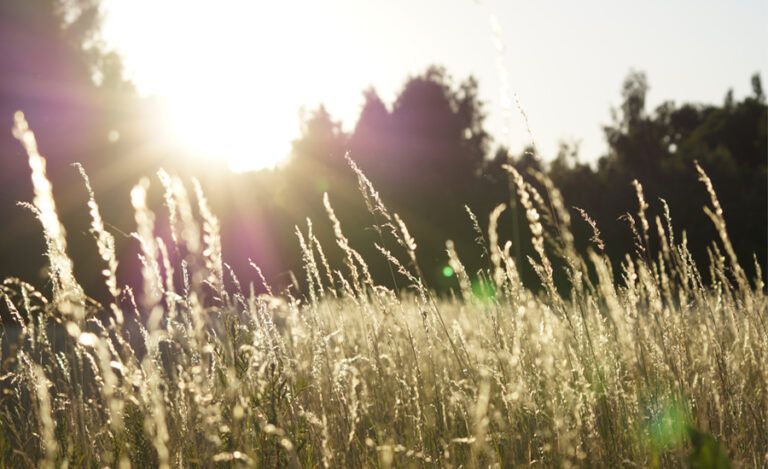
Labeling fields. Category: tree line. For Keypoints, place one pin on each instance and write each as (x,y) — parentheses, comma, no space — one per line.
(428,155)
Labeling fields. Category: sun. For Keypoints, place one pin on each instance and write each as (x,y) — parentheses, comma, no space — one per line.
(226,78)
(227,126)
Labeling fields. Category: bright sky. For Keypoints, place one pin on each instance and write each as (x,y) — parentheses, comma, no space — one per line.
(234,74)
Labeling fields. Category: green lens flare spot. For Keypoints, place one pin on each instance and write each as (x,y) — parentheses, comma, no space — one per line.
(667,425)
(483,290)
(322,185)
(447,271)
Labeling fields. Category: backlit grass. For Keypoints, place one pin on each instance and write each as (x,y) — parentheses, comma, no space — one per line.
(664,368)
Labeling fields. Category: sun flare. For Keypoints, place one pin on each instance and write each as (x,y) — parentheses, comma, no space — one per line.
(226,128)
(233,90)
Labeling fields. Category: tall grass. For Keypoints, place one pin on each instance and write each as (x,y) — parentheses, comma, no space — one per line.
(666,368)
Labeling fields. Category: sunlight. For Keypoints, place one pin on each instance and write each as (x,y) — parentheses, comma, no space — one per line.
(233,90)
(225,128)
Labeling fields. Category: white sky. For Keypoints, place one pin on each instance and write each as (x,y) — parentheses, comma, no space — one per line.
(236,72)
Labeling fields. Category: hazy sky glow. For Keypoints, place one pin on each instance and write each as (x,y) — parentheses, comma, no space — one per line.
(233,73)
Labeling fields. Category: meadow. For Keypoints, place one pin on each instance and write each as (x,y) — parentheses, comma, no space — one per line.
(197,367)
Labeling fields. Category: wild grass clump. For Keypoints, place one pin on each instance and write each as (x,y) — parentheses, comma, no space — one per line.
(665,368)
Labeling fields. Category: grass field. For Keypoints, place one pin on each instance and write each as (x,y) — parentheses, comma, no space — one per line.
(666,368)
